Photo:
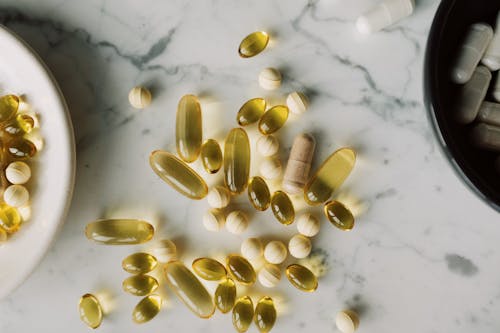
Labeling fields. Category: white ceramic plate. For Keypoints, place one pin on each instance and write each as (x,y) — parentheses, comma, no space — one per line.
(23,73)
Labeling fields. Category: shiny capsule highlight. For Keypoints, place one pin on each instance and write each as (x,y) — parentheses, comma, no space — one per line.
(301,278)
(188,128)
(209,269)
(140,285)
(20,148)
(21,125)
(147,309)
(236,160)
(241,269)
(282,208)
(189,289)
(178,174)
(10,219)
(253,44)
(258,193)
(139,263)
(225,295)
(339,215)
(9,104)
(265,314)
(90,311)
(251,111)
(211,156)
(119,231)
(329,176)
(273,119)
(243,314)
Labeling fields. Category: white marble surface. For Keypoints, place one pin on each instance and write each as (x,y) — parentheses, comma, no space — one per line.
(423,256)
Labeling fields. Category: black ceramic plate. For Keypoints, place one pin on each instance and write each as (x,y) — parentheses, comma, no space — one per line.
(474,166)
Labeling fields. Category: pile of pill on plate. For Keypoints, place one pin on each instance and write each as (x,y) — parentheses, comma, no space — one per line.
(478,57)
(19,143)
(233,273)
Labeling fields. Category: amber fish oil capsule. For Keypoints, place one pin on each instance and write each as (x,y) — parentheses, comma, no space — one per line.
(258,193)
(20,148)
(243,314)
(273,119)
(339,215)
(119,231)
(474,45)
(225,295)
(253,44)
(209,269)
(265,314)
(140,285)
(139,263)
(211,156)
(178,174)
(472,95)
(301,278)
(282,208)
(236,160)
(10,219)
(188,128)
(21,125)
(251,111)
(147,309)
(486,136)
(90,311)
(329,176)
(9,104)
(240,269)
(189,289)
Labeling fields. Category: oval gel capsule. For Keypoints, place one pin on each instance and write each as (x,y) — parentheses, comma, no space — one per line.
(139,263)
(329,176)
(251,111)
(9,104)
(189,289)
(253,44)
(273,119)
(236,160)
(225,295)
(243,314)
(301,278)
(147,309)
(10,219)
(265,314)
(178,174)
(282,208)
(211,156)
(339,215)
(140,285)
(258,193)
(241,269)
(90,311)
(471,95)
(209,269)
(119,231)
(188,128)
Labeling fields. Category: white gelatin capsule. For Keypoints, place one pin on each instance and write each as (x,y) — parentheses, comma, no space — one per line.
(275,252)
(308,225)
(269,276)
(491,58)
(384,14)
(236,222)
(486,136)
(489,113)
(213,220)
(18,172)
(347,321)
(299,246)
(270,78)
(472,95)
(16,195)
(218,197)
(496,89)
(251,248)
(297,102)
(474,45)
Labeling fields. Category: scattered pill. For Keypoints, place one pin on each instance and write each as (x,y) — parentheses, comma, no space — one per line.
(20,125)
(251,248)
(9,104)
(299,163)
(273,119)
(188,128)
(139,97)
(147,309)
(119,231)
(240,269)
(282,208)
(329,176)
(236,160)
(299,246)
(491,57)
(265,314)
(236,222)
(20,148)
(270,78)
(189,289)
(16,195)
(275,252)
(258,193)
(472,95)
(269,275)
(347,321)
(211,156)
(486,136)
(18,172)
(253,44)
(308,225)
(489,113)
(384,14)
(251,111)
(297,103)
(209,269)
(225,295)
(214,220)
(301,278)
(10,219)
(165,251)
(271,168)
(90,311)
(178,174)
(140,285)
(243,314)
(219,197)
(339,215)
(139,263)
(267,145)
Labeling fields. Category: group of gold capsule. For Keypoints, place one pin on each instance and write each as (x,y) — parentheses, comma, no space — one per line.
(234,159)
(16,148)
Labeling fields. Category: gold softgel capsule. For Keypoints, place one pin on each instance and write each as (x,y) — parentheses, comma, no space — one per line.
(282,208)
(211,156)
(140,285)
(243,314)
(188,128)
(225,295)
(236,160)
(9,104)
(139,263)
(273,119)
(10,219)
(301,278)
(265,314)
(241,269)
(119,231)
(90,311)
(251,111)
(253,44)
(339,215)
(147,309)
(209,269)
(258,193)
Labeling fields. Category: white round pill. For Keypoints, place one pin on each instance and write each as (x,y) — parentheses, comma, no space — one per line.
(16,195)
(267,145)
(165,251)
(219,197)
(308,225)
(270,78)
(347,321)
(18,172)
(236,222)
(139,97)
(251,248)
(297,102)
(213,220)
(275,252)
(299,246)
(269,276)
(271,168)
(25,212)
